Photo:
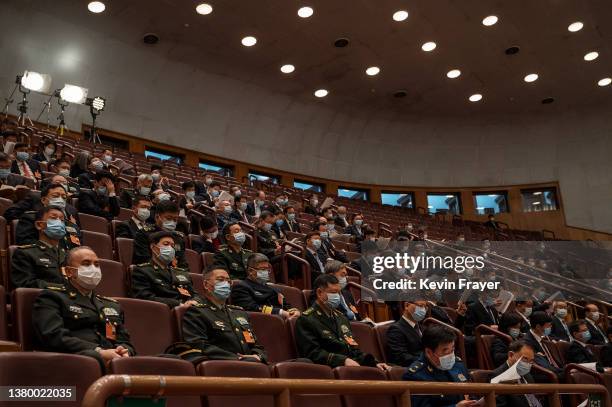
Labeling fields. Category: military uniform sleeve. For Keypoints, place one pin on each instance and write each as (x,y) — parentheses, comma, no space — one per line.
(49,326)
(123,230)
(142,253)
(23,271)
(142,288)
(307,340)
(123,336)
(219,260)
(195,332)
(242,297)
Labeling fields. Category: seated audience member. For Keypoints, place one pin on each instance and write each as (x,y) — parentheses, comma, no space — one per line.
(81,164)
(141,211)
(158,280)
(279,204)
(209,240)
(254,294)
(74,319)
(312,207)
(86,180)
(38,265)
(355,229)
(144,187)
(235,192)
(560,330)
(23,164)
(438,363)
(491,223)
(404,336)
(524,309)
(159,181)
(25,210)
(593,320)
(340,219)
(578,352)
(510,324)
(441,314)
(266,241)
(6,177)
(62,166)
(240,205)
(190,199)
(291,224)
(224,213)
(46,152)
(102,201)
(166,218)
(214,330)
(522,353)
(212,194)
(348,305)
(313,255)
(541,327)
(606,351)
(327,246)
(256,207)
(482,312)
(107,158)
(277,226)
(323,334)
(232,256)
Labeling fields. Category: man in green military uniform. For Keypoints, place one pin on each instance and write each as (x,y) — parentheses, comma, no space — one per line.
(214,330)
(232,256)
(158,280)
(73,319)
(166,218)
(39,265)
(438,363)
(324,335)
(266,240)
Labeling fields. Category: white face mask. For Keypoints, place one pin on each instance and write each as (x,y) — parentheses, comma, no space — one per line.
(89,277)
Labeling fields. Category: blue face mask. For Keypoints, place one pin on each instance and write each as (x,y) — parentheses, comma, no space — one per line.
(447,362)
(240,237)
(145,191)
(586,336)
(4,172)
(222,290)
(324,235)
(358,222)
(291,216)
(547,331)
(169,225)
(279,222)
(316,243)
(55,229)
(102,190)
(166,254)
(333,300)
(215,193)
(522,368)
(514,332)
(267,227)
(419,313)
(22,155)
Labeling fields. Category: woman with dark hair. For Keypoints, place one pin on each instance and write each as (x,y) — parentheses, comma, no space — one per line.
(510,324)
(46,152)
(81,164)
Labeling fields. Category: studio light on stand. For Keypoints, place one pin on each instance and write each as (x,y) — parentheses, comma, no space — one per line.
(96,106)
(30,81)
(69,94)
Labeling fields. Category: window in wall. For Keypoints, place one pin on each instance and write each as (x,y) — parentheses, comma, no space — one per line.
(352,193)
(218,168)
(164,155)
(308,186)
(538,200)
(258,176)
(444,203)
(403,199)
(488,203)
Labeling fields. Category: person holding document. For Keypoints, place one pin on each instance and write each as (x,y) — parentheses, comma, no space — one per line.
(516,370)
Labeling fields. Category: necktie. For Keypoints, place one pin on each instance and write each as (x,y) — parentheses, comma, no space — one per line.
(418,329)
(532,400)
(26,170)
(548,355)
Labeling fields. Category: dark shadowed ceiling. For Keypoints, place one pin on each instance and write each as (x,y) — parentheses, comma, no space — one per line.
(538,27)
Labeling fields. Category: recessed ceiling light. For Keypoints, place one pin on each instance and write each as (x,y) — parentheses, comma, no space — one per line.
(341,42)
(532,77)
(288,68)
(490,20)
(305,12)
(373,71)
(575,27)
(513,50)
(429,46)
(249,41)
(548,100)
(96,7)
(400,94)
(453,73)
(204,9)
(605,82)
(476,97)
(321,93)
(400,15)
(591,56)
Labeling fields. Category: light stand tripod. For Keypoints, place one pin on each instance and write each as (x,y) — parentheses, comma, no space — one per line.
(47,107)
(94,138)
(23,108)
(9,100)
(61,127)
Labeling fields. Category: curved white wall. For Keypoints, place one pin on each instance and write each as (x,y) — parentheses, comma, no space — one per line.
(173,103)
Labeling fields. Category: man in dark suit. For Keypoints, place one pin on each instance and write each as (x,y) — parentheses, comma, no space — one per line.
(313,255)
(209,240)
(312,207)
(327,246)
(524,308)
(356,229)
(240,205)
(7,178)
(560,330)
(141,209)
(102,201)
(404,336)
(255,295)
(256,207)
(592,319)
(23,164)
(266,241)
(578,352)
(541,327)
(524,354)
(482,312)
(291,224)
(340,219)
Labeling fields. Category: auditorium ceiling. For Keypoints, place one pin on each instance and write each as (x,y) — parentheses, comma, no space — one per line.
(411,81)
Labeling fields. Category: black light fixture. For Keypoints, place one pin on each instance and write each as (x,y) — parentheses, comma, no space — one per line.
(96,106)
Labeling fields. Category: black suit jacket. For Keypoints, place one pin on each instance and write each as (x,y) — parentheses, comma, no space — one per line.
(254,296)
(104,206)
(201,245)
(596,337)
(86,180)
(329,250)
(343,223)
(289,226)
(558,332)
(127,229)
(511,400)
(250,210)
(540,357)
(357,233)
(499,351)
(315,270)
(441,315)
(578,353)
(606,355)
(33,164)
(403,343)
(477,314)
